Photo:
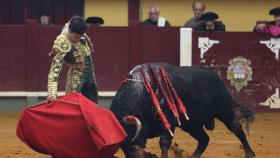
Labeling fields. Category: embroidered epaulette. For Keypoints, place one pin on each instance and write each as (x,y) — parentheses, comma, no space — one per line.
(62,44)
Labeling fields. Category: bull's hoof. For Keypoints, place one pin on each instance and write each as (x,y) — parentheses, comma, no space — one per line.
(178,152)
(164,156)
(141,153)
(150,155)
(194,156)
(250,155)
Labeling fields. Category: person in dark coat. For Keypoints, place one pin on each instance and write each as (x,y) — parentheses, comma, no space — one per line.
(198,8)
(210,23)
(270,27)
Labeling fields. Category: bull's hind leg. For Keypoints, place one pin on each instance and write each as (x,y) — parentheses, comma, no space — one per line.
(202,138)
(236,128)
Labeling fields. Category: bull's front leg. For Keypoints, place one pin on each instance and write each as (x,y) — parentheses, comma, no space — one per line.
(202,138)
(236,128)
(165,142)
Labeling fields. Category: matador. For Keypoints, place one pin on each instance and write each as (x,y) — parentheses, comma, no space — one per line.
(74,48)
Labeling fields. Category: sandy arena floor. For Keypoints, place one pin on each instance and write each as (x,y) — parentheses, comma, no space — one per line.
(264,139)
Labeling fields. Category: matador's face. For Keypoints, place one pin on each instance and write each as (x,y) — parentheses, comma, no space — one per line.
(74,37)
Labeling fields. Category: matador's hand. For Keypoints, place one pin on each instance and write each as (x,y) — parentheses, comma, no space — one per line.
(51,98)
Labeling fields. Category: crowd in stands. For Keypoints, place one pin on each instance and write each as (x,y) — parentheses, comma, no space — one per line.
(202,20)
(208,21)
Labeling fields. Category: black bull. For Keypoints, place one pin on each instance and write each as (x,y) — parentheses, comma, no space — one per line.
(202,92)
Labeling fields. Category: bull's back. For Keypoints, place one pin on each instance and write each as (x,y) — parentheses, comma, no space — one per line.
(201,90)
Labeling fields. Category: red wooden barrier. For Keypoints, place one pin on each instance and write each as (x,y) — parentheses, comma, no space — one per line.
(25,62)
(255,58)
(13,58)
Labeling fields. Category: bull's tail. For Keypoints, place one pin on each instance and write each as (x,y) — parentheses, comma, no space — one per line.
(135,121)
(244,113)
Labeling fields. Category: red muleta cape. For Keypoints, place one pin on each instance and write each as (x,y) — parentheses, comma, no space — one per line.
(71,127)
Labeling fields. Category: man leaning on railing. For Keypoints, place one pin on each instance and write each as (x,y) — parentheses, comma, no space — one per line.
(271,27)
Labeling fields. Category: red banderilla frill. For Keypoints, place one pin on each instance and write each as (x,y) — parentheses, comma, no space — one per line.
(169,100)
(170,87)
(156,103)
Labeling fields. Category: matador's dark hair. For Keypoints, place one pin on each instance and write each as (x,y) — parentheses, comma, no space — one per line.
(77,25)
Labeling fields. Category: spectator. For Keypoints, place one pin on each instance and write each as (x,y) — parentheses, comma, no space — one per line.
(210,23)
(45,19)
(272,27)
(155,19)
(198,9)
(74,48)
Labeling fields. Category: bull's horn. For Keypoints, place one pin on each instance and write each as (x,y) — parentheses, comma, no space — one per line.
(135,121)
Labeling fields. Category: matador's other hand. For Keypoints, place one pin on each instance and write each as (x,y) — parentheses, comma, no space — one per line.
(52,52)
